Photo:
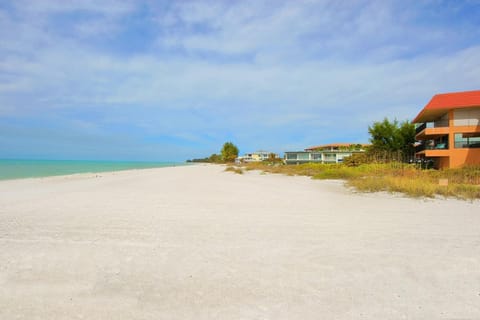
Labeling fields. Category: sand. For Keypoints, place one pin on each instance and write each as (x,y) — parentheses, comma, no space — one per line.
(196,242)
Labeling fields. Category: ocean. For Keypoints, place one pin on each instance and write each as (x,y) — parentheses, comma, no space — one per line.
(17,169)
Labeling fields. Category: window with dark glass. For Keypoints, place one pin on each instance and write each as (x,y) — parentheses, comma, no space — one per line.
(467,140)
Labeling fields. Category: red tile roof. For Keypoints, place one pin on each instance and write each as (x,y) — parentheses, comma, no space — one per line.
(447,101)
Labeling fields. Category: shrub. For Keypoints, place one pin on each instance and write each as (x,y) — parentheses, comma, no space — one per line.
(391,177)
(356,159)
(234,170)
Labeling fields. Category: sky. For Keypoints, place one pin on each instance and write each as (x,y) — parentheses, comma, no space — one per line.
(174,80)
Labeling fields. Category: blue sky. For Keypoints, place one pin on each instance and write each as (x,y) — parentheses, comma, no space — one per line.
(172,80)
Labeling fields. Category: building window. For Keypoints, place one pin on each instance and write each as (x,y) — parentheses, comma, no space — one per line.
(467,117)
(330,157)
(303,156)
(291,156)
(467,140)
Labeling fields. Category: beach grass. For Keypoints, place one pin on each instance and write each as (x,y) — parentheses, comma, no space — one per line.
(463,183)
(236,170)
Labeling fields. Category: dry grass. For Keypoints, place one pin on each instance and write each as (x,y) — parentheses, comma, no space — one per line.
(391,177)
(234,170)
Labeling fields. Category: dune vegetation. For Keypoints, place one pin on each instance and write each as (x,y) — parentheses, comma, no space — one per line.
(234,169)
(400,177)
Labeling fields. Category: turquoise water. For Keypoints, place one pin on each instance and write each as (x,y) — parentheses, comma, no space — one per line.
(16,169)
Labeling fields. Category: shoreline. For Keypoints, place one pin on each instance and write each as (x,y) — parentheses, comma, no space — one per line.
(116,166)
(196,242)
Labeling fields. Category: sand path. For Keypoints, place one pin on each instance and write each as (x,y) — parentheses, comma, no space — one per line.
(199,243)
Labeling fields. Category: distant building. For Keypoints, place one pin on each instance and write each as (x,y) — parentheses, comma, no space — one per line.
(448,130)
(328,153)
(256,156)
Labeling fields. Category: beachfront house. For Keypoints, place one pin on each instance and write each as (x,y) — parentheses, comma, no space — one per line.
(328,153)
(448,130)
(256,156)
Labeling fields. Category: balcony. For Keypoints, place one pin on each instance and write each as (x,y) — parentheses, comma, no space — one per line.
(431,145)
(420,128)
(428,125)
(432,130)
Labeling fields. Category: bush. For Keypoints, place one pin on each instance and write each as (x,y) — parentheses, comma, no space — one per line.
(234,170)
(356,159)
(391,177)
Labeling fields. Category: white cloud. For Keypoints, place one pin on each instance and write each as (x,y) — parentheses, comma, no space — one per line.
(226,69)
(48,7)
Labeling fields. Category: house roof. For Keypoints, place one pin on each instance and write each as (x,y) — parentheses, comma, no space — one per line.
(335,145)
(447,101)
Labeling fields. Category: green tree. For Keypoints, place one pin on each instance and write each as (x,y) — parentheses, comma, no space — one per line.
(407,135)
(215,158)
(392,136)
(229,152)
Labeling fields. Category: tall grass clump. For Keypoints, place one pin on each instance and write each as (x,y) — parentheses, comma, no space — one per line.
(392,176)
(234,170)
(337,172)
(393,184)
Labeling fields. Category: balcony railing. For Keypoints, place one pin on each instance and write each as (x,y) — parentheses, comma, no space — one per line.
(438,124)
(420,128)
(434,124)
(431,146)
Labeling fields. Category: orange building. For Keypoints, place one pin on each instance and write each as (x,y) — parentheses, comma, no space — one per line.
(448,130)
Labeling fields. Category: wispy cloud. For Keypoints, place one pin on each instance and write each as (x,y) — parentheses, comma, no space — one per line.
(185,76)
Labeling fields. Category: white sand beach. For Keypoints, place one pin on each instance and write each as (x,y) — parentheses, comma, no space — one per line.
(195,242)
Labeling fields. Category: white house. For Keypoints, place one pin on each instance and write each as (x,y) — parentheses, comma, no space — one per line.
(256,156)
(329,153)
